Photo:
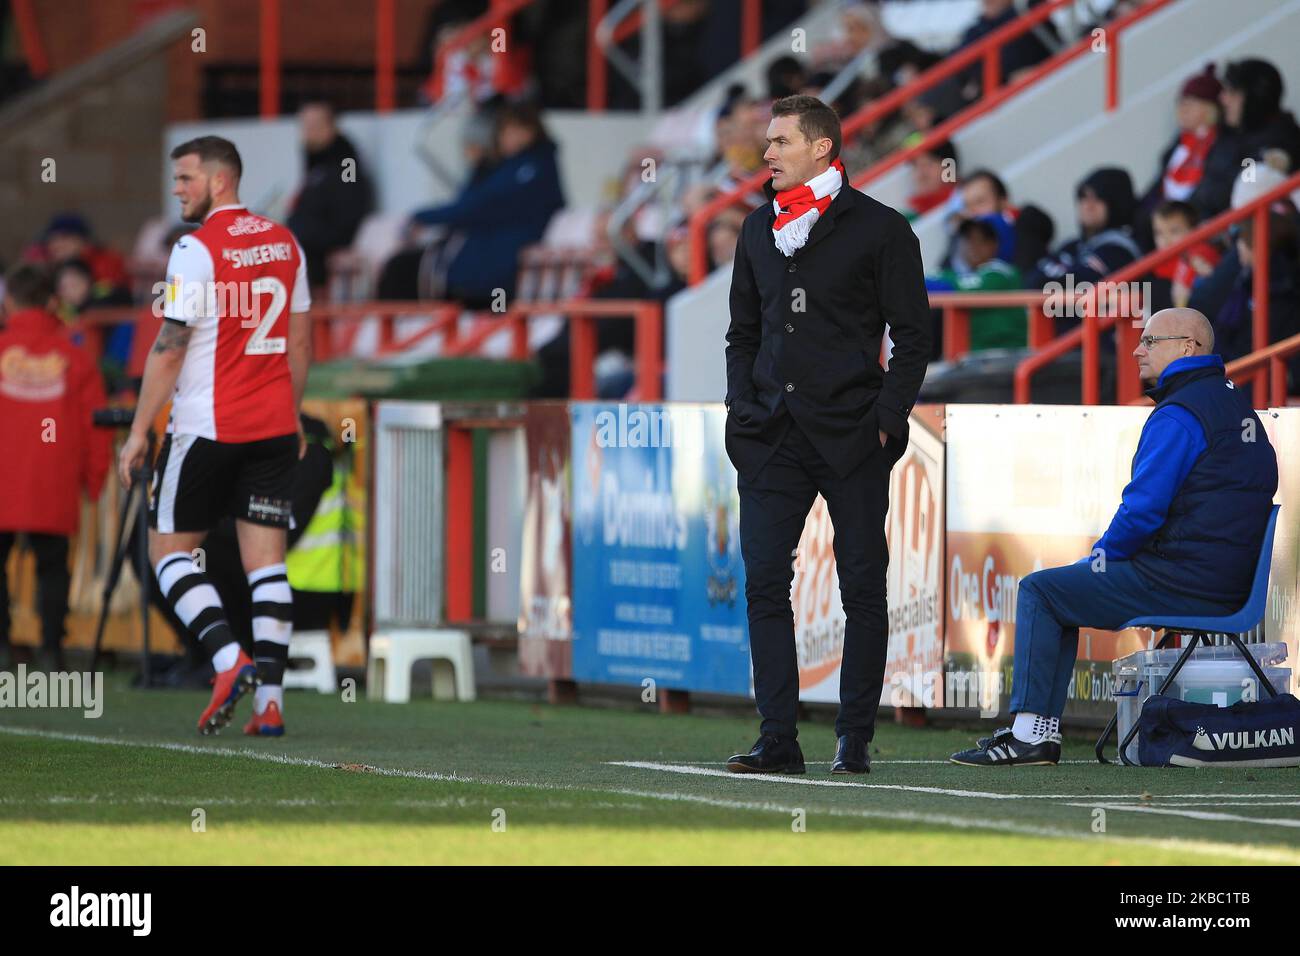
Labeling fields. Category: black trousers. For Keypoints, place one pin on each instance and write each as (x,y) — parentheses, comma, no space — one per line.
(53,582)
(773,508)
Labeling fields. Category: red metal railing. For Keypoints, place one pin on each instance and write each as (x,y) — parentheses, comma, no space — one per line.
(268,39)
(988,51)
(336,327)
(1267,369)
(29,35)
(958,306)
(1094,324)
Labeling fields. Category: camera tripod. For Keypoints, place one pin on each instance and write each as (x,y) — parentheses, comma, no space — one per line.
(138,496)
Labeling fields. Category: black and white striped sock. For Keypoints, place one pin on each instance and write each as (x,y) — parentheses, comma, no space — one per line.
(191,594)
(272,626)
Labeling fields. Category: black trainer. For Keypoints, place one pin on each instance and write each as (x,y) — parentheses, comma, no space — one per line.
(770,755)
(985,741)
(1004,750)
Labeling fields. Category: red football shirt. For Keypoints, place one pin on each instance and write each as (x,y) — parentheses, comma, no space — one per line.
(234,281)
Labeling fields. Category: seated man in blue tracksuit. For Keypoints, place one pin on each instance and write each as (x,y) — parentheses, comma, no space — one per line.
(1185,539)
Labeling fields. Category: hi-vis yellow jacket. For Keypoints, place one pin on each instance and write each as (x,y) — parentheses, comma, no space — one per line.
(330,555)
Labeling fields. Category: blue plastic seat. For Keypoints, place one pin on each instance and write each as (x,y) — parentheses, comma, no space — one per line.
(1198,629)
(1245,619)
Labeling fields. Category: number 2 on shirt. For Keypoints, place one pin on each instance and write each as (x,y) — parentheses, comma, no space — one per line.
(258,343)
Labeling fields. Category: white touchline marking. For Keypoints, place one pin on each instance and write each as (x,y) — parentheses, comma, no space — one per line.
(1206,847)
(984,794)
(802,781)
(1192,814)
(874,762)
(444,803)
(1214,803)
(252,755)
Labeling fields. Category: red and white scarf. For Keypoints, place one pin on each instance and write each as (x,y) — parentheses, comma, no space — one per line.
(1187,163)
(798,209)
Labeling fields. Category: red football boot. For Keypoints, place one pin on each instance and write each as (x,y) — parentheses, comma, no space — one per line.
(228,687)
(268,723)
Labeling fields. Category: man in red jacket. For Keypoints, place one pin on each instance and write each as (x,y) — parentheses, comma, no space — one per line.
(49,389)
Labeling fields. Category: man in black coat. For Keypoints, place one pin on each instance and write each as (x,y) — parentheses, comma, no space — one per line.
(809,410)
(336,194)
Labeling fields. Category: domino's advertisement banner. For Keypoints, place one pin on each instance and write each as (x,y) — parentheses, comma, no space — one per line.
(658,580)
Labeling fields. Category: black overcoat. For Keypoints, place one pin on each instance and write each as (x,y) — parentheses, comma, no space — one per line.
(806,330)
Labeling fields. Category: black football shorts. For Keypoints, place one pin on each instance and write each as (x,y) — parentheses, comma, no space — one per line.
(197,482)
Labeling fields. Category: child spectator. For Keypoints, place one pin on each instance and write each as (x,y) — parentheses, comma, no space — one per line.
(993,328)
(1171,222)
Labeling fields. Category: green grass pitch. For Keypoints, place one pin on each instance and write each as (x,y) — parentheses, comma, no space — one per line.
(512,782)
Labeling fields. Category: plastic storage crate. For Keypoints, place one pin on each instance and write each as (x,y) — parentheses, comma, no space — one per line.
(1212,675)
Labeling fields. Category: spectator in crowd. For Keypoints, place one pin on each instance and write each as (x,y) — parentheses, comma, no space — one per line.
(1183,163)
(1172,280)
(335,195)
(934,178)
(76,292)
(786,76)
(862,30)
(49,389)
(1024,52)
(1105,204)
(500,211)
(978,242)
(928,110)
(982,195)
(1034,233)
(903,61)
(1253,122)
(1264,177)
(1234,320)
(68,236)
(1210,293)
(724,232)
(407,273)
(740,137)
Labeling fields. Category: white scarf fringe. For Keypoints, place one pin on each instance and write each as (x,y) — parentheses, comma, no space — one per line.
(791,237)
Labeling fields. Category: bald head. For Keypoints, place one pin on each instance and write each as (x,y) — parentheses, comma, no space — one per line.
(1187,322)
(1172,334)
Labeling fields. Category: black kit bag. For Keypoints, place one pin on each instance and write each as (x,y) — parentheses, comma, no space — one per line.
(1260,733)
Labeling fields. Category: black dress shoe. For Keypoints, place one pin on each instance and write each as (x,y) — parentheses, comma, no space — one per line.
(851,755)
(770,755)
